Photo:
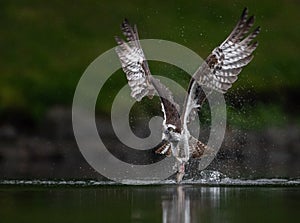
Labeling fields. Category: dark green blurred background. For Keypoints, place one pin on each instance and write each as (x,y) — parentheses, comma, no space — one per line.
(45,46)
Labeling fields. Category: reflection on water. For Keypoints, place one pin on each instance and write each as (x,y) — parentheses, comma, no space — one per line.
(189,204)
(184,205)
(159,203)
(178,208)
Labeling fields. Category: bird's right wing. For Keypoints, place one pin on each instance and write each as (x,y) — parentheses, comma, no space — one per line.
(134,63)
(139,77)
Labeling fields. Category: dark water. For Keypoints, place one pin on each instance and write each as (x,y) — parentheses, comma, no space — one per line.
(273,200)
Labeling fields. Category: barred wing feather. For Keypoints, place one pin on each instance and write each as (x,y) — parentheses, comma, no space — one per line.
(132,59)
(139,77)
(227,60)
(221,68)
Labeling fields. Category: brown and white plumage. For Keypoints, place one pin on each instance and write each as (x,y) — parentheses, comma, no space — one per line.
(227,60)
(139,77)
(134,63)
(221,68)
(218,72)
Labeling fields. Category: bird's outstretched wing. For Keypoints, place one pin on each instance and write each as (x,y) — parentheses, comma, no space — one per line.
(134,63)
(222,66)
(139,77)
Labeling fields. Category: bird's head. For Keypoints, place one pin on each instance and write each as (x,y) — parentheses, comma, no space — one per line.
(171,134)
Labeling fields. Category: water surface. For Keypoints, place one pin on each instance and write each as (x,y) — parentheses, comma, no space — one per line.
(264,200)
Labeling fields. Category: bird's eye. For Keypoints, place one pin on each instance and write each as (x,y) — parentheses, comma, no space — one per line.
(170,129)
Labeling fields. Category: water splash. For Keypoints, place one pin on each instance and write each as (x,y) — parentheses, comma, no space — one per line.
(208,178)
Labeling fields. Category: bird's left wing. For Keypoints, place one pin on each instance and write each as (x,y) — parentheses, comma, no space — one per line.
(227,60)
(221,68)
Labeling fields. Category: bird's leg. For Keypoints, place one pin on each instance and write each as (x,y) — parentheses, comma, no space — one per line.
(180,172)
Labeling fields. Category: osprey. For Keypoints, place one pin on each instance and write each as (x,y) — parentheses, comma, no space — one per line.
(218,72)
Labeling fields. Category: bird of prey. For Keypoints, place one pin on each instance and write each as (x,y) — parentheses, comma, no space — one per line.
(219,71)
